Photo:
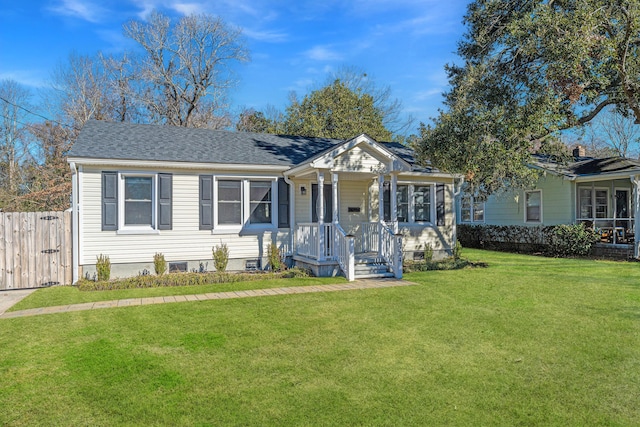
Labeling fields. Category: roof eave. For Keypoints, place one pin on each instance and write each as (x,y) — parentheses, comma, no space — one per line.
(90,161)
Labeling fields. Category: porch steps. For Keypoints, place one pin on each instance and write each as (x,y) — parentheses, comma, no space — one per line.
(368,266)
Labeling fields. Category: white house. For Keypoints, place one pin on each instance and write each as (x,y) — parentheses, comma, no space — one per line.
(353,207)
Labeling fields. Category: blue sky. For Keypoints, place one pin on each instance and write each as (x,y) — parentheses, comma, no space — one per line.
(403,44)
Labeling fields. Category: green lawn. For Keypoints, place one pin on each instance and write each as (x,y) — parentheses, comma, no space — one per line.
(525,341)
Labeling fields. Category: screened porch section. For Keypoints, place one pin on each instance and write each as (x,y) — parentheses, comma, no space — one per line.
(608,209)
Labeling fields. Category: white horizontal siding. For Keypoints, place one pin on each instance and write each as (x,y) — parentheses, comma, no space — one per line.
(357,160)
(183,243)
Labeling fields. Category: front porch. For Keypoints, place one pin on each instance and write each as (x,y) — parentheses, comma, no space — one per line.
(610,206)
(373,251)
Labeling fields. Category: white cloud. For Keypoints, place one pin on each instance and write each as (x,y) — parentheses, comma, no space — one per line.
(323,53)
(79,9)
(429,93)
(188,8)
(25,77)
(266,36)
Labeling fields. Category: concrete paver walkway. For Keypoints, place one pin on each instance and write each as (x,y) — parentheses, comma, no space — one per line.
(11,297)
(358,284)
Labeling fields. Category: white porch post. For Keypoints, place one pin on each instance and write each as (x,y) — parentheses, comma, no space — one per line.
(320,209)
(636,213)
(334,196)
(380,211)
(394,202)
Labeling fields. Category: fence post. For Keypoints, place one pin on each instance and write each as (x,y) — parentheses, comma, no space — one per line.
(397,268)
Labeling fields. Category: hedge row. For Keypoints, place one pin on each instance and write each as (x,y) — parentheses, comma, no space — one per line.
(556,240)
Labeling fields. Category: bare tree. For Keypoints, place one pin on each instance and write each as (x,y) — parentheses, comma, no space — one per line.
(187,68)
(614,132)
(15,141)
(81,91)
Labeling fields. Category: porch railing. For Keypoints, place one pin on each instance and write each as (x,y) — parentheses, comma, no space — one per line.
(310,244)
(345,252)
(368,237)
(391,249)
(307,240)
(612,230)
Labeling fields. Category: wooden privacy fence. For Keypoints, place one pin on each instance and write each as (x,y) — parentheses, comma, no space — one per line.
(35,249)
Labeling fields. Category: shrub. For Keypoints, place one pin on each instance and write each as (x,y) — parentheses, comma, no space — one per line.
(428,252)
(160,264)
(185,279)
(275,258)
(103,267)
(572,240)
(457,250)
(221,257)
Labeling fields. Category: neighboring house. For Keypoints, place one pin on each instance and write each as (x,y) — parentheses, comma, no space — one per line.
(600,192)
(141,189)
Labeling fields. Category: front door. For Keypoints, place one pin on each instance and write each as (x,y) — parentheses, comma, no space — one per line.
(327,206)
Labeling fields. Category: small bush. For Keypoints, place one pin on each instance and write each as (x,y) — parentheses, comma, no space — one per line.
(275,257)
(103,267)
(428,252)
(221,257)
(160,264)
(457,251)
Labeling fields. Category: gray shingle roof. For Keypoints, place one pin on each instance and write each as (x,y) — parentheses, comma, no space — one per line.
(582,166)
(131,141)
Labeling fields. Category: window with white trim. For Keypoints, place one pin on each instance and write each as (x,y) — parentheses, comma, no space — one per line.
(138,200)
(593,202)
(422,198)
(245,202)
(402,203)
(260,202)
(230,202)
(471,210)
(533,206)
(415,203)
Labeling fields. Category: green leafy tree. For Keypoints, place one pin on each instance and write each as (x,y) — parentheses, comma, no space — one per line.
(532,69)
(335,111)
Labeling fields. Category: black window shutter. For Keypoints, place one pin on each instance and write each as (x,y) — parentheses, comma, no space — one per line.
(206,202)
(165,205)
(109,201)
(440,210)
(283,204)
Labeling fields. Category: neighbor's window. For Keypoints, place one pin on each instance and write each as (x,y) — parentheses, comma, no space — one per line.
(471,210)
(593,203)
(260,202)
(229,202)
(422,197)
(533,204)
(138,200)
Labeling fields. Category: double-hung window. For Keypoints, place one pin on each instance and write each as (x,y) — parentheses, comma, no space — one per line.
(593,203)
(136,202)
(232,204)
(260,202)
(471,210)
(415,203)
(533,206)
